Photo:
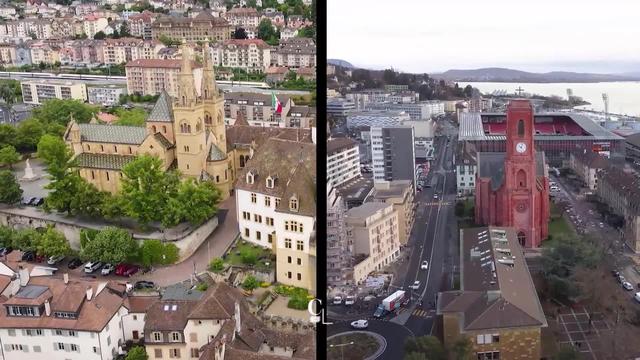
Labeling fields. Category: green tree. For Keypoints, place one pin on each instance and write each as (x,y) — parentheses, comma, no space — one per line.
(133,117)
(198,200)
(468,91)
(216,265)
(461,349)
(124,30)
(248,257)
(55,154)
(7,94)
(111,245)
(10,191)
(266,31)
(28,134)
(239,33)
(430,346)
(7,134)
(62,196)
(53,243)
(100,35)
(250,283)
(26,239)
(6,236)
(60,112)
(137,353)
(151,252)
(87,200)
(8,156)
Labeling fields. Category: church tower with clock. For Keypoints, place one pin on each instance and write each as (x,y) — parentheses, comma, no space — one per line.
(519,196)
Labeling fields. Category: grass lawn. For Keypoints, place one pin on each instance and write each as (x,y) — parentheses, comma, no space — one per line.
(558,226)
(262,255)
(363,346)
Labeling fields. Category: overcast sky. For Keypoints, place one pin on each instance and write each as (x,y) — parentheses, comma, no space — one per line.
(438,35)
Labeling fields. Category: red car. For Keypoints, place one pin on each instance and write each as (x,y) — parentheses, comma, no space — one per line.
(126,269)
(120,269)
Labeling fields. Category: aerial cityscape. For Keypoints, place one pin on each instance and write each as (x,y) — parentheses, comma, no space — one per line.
(157,179)
(483,181)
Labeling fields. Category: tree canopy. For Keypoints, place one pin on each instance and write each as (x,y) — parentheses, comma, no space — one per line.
(268,33)
(137,353)
(429,346)
(133,117)
(53,243)
(10,191)
(111,245)
(8,156)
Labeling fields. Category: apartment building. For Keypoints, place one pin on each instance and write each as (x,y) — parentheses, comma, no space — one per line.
(276,17)
(7,54)
(123,50)
(44,52)
(393,154)
(288,33)
(343,160)
(294,53)
(93,24)
(376,118)
(339,250)
(204,27)
(372,228)
(105,94)
(38,91)
(466,168)
(82,52)
(151,76)
(275,200)
(252,55)
(400,194)
(497,307)
(66,27)
(301,117)
(256,109)
(586,165)
(243,17)
(140,24)
(25,28)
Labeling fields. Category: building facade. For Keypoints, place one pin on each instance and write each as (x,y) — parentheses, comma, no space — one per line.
(105,95)
(400,194)
(393,154)
(466,169)
(153,76)
(38,91)
(252,55)
(203,27)
(343,160)
(256,108)
(339,249)
(294,53)
(586,165)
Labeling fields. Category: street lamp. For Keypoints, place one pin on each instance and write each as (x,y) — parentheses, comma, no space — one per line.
(341,346)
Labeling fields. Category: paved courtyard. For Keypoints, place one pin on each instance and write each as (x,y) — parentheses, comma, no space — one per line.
(584,335)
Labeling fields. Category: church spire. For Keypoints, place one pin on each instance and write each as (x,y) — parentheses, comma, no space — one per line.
(209,88)
(186,82)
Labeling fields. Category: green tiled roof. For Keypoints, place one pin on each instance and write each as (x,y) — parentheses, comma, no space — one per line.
(163,140)
(103,161)
(215,153)
(162,110)
(115,134)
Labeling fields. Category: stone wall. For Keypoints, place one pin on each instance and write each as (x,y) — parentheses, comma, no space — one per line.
(187,239)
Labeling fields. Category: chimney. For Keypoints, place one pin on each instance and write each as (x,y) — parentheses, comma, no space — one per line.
(89,293)
(236,315)
(23,274)
(47,307)
(65,276)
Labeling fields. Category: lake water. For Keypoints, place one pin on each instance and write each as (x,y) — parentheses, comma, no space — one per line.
(624,97)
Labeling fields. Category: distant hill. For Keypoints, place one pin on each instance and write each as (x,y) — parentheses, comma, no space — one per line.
(339,62)
(510,75)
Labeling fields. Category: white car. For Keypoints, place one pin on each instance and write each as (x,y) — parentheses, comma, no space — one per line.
(360,324)
(435,196)
(416,285)
(350,300)
(627,286)
(107,269)
(425,265)
(621,279)
(337,300)
(55,259)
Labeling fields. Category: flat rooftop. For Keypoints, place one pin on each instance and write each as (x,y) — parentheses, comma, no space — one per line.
(396,189)
(355,190)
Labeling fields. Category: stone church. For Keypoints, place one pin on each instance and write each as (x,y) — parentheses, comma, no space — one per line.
(187,133)
(512,188)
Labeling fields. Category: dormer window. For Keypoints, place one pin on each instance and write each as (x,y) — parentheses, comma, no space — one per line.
(271,182)
(175,336)
(250,177)
(156,336)
(293,204)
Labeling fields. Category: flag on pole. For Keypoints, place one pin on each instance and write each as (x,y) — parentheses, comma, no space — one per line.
(277,106)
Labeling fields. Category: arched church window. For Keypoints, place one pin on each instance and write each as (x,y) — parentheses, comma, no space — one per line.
(521,177)
(189,128)
(153,129)
(184,128)
(207,119)
(241,160)
(522,238)
(520,127)
(184,100)
(164,129)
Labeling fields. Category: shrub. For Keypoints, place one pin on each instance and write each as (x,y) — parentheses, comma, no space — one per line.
(298,303)
(216,265)
(248,257)
(202,287)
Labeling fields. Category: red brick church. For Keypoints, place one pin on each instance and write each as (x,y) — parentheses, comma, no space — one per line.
(512,188)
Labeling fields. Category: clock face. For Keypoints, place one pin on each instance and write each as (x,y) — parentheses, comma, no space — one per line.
(521,147)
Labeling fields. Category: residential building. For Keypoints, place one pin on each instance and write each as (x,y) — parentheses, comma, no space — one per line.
(417,111)
(7,54)
(393,154)
(497,307)
(106,94)
(466,168)
(26,28)
(294,53)
(586,165)
(60,318)
(256,108)
(243,17)
(619,188)
(339,250)
(306,73)
(124,50)
(186,132)
(343,160)
(82,52)
(203,27)
(38,91)
(338,107)
(400,194)
(85,9)
(404,97)
(422,128)
(288,33)
(632,147)
(140,24)
(396,88)
(376,118)
(7,12)
(152,76)
(66,27)
(276,17)
(44,52)
(252,55)
(93,24)
(301,117)
(372,228)
(275,201)
(297,21)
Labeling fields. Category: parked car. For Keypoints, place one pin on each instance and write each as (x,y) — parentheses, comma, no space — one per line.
(27,200)
(621,279)
(627,286)
(416,285)
(130,270)
(5,251)
(120,269)
(143,284)
(38,202)
(424,265)
(55,259)
(107,269)
(435,196)
(350,300)
(92,266)
(74,263)
(360,324)
(40,258)
(33,201)
(28,256)
(337,300)
(637,296)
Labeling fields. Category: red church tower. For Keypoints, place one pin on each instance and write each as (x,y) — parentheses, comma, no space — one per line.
(512,189)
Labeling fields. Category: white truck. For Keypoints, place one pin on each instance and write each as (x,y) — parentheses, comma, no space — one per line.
(390,303)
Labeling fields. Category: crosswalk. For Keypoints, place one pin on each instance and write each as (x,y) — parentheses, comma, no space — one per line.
(421,313)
